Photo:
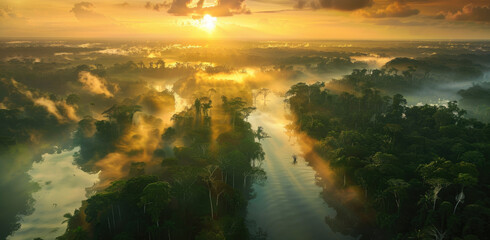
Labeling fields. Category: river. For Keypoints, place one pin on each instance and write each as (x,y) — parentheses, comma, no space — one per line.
(63,187)
(289,204)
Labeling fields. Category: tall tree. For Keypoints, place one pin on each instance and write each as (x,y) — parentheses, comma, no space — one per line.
(155,199)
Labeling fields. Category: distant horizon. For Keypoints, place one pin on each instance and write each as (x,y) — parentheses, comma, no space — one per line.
(248,19)
(2,38)
(244,119)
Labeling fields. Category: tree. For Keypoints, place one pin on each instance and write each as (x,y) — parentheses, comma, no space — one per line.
(255,95)
(438,168)
(208,178)
(76,234)
(236,108)
(437,185)
(474,157)
(254,173)
(197,107)
(303,93)
(260,134)
(98,209)
(123,114)
(438,235)
(206,106)
(160,63)
(397,187)
(464,179)
(220,187)
(169,225)
(184,180)
(155,199)
(265,92)
(235,161)
(397,108)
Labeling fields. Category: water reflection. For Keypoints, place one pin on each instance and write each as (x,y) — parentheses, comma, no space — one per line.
(289,205)
(63,187)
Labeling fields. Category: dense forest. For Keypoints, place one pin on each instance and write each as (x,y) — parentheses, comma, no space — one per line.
(422,79)
(170,142)
(27,130)
(421,170)
(200,189)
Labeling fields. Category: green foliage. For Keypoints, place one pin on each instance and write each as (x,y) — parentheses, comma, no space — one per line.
(155,198)
(410,162)
(199,191)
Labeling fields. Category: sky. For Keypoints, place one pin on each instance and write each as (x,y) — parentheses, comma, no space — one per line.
(247,19)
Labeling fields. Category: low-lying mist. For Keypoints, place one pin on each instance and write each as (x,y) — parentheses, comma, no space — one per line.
(129,106)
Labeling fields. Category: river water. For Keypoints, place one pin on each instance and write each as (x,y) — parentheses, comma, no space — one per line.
(63,187)
(289,204)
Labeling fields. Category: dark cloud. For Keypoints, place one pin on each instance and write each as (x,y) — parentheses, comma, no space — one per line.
(471,12)
(157,6)
(343,5)
(181,8)
(85,11)
(438,16)
(395,9)
(223,8)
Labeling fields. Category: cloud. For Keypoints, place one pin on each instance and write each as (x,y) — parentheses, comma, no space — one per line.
(197,9)
(8,13)
(396,22)
(94,84)
(59,109)
(20,97)
(157,6)
(84,11)
(122,5)
(395,9)
(471,12)
(342,5)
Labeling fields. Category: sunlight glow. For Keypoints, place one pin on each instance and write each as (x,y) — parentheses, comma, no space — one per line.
(237,76)
(208,23)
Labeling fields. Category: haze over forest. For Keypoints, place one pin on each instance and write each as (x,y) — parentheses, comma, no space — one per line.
(353,119)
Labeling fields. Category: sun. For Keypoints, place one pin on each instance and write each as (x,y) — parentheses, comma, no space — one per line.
(208,23)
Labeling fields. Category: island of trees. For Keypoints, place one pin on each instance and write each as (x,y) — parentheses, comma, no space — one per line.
(208,161)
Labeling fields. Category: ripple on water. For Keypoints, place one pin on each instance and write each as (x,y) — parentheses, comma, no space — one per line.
(289,204)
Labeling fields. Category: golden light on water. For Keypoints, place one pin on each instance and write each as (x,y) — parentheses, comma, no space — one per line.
(237,76)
